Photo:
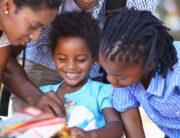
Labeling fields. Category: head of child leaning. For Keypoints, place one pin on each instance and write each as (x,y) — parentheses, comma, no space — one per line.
(74,43)
(134,46)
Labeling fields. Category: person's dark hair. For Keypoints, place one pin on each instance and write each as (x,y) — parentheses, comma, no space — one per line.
(130,33)
(76,24)
(115,4)
(35,4)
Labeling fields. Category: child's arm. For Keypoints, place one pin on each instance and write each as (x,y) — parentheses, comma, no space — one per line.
(112,129)
(132,123)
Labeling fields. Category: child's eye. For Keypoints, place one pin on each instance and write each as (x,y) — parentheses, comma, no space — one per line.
(33,27)
(61,59)
(81,60)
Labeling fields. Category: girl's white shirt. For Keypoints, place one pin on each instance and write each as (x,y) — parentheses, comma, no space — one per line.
(4,40)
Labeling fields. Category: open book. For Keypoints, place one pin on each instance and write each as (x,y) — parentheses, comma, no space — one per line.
(31,122)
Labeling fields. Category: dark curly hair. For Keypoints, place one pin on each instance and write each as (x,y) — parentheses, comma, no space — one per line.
(76,24)
(35,4)
(130,33)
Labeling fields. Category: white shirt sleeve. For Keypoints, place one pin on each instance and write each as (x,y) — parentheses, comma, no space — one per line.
(147,5)
(4,40)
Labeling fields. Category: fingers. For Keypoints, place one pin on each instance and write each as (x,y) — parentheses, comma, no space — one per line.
(49,105)
(55,97)
(59,110)
(75,131)
(48,110)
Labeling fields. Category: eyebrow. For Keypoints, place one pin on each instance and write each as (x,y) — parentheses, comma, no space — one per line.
(76,55)
(60,54)
(82,55)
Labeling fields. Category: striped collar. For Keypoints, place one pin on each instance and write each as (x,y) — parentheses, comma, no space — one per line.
(156,85)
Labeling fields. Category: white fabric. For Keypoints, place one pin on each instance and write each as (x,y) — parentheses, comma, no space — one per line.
(70,6)
(4,40)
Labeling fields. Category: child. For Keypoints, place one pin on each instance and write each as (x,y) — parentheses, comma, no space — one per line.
(141,60)
(74,44)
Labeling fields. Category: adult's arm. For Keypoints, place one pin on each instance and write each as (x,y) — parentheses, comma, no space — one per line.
(16,80)
(132,123)
(4,52)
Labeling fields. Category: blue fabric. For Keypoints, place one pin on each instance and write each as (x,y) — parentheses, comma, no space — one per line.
(160,101)
(93,95)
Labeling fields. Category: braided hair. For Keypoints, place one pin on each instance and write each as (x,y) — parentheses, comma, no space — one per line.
(138,35)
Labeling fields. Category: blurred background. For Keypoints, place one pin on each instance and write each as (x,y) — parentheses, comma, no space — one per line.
(169,12)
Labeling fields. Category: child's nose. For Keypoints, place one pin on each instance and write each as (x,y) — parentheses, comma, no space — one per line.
(71,65)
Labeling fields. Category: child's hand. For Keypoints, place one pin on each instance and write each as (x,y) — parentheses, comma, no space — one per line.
(79,133)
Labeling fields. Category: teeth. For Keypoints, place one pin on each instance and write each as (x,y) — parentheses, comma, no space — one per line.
(72,74)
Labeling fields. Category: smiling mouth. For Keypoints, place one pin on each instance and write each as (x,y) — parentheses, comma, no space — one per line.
(72,75)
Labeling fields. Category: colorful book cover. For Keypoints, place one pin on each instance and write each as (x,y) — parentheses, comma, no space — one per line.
(31,121)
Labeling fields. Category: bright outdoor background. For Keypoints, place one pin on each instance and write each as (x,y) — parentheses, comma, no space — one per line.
(169,12)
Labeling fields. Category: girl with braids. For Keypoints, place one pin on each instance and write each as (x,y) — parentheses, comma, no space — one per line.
(143,64)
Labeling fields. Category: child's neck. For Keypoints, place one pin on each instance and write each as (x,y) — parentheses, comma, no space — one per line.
(66,88)
(146,80)
(71,88)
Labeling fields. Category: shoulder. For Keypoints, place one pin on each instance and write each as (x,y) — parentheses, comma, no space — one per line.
(148,5)
(99,89)
(177,65)
(100,85)
(4,40)
(101,93)
(177,46)
(173,76)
